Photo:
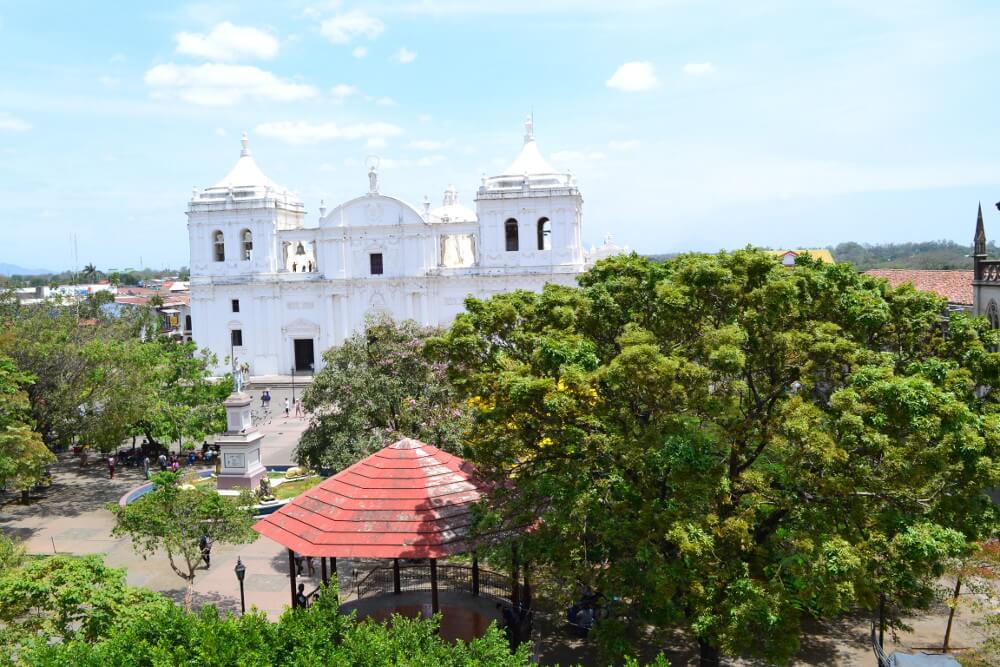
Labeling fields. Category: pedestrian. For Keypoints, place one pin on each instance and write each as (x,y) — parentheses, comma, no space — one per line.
(287,407)
(162,459)
(299,562)
(145,467)
(301,601)
(311,566)
(298,408)
(265,399)
(191,458)
(175,465)
(205,545)
(111,466)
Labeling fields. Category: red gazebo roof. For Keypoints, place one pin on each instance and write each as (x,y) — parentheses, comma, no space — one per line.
(408,500)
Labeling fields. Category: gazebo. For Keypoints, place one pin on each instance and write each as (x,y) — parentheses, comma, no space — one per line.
(408,500)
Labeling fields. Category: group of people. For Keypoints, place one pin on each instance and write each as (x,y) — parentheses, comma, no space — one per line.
(265,403)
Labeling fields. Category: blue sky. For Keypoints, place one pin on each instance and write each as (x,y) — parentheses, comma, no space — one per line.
(689,125)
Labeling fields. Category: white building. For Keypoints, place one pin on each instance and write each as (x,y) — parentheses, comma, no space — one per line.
(276,293)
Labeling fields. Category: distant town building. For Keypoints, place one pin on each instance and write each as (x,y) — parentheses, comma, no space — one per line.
(274,293)
(788,256)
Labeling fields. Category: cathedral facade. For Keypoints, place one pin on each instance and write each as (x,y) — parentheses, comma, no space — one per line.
(273,293)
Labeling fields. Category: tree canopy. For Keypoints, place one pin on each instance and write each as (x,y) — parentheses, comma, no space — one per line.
(728,445)
(23,455)
(175,517)
(374,389)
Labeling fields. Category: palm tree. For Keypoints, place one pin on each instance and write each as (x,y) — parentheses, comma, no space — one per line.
(90,273)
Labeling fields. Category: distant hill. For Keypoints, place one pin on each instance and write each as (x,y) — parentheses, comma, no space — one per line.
(15,270)
(924,255)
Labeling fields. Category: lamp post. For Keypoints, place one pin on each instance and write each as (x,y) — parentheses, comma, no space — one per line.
(293,385)
(241,572)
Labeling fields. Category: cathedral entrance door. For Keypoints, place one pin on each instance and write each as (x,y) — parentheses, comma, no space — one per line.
(304,358)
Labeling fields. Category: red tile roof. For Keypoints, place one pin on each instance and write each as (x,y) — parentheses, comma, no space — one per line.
(955,286)
(408,500)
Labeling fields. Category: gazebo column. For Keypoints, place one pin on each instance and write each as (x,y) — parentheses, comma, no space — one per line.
(333,575)
(396,588)
(475,574)
(322,570)
(515,598)
(291,574)
(434,586)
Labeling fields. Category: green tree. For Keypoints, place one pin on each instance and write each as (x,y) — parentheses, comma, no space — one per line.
(175,518)
(89,273)
(318,635)
(376,388)
(23,456)
(729,445)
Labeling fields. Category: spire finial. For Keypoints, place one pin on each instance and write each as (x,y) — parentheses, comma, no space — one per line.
(529,128)
(979,241)
(245,142)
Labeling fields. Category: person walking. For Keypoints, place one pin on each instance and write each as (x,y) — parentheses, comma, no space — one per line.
(162,460)
(111,466)
(298,408)
(145,467)
(205,545)
(287,407)
(265,398)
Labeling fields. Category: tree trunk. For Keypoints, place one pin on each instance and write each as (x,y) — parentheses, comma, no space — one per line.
(189,594)
(708,656)
(951,613)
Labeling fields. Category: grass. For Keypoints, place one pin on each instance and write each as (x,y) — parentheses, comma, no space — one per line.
(292,489)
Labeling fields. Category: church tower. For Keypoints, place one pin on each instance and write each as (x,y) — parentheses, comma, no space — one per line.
(233,225)
(530,215)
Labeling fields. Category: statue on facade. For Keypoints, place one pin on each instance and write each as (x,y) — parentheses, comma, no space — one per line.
(372,181)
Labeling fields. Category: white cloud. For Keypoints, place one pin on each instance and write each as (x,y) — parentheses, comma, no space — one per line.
(228,42)
(304,132)
(359,52)
(221,132)
(109,81)
(426,145)
(376,142)
(404,56)
(577,156)
(342,90)
(634,77)
(698,69)
(342,28)
(623,145)
(385,102)
(430,160)
(424,118)
(10,123)
(213,84)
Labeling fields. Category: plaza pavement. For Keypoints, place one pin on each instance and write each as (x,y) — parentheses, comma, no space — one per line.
(70,517)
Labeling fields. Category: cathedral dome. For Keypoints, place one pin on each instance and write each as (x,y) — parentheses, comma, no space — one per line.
(451,210)
(529,169)
(246,181)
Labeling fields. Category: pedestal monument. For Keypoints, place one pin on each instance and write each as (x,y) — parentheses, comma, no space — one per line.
(239,446)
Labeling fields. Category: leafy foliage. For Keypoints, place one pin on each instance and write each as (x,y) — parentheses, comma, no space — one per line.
(728,445)
(376,388)
(318,635)
(23,455)
(174,518)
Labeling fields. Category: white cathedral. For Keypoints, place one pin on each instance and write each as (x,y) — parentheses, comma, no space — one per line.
(273,293)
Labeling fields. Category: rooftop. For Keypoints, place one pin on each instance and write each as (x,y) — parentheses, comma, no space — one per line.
(955,286)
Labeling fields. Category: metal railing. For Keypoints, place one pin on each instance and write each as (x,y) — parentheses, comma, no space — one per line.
(417,577)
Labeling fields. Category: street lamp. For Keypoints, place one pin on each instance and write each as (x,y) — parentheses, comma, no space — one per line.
(293,385)
(241,571)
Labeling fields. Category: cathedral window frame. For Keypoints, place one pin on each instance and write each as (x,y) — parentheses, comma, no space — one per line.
(218,246)
(510,235)
(544,233)
(246,245)
(376,263)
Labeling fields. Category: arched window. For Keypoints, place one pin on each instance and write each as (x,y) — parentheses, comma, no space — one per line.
(510,234)
(246,244)
(219,244)
(187,323)
(544,234)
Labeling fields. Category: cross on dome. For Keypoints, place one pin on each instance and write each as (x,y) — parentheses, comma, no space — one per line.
(245,143)
(529,128)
